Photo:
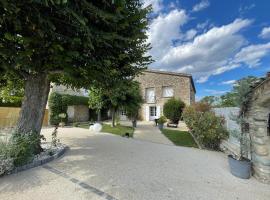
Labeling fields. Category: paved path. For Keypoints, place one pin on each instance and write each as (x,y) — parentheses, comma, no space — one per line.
(148,132)
(105,166)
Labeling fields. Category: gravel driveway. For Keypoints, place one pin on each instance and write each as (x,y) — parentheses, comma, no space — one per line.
(104,166)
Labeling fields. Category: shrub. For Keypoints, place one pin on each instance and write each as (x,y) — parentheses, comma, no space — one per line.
(13,101)
(162,120)
(24,147)
(6,162)
(202,106)
(206,127)
(173,109)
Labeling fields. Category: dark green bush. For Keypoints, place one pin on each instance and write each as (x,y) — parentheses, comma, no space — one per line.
(13,101)
(173,109)
(25,147)
(207,128)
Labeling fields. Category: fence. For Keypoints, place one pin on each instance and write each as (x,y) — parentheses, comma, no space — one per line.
(9,117)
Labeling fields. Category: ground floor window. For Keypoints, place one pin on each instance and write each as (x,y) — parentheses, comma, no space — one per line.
(153,111)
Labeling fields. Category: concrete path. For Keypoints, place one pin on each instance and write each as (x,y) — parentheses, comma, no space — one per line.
(149,132)
(104,166)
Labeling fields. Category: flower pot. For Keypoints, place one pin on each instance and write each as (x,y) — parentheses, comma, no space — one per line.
(240,168)
(160,126)
(134,123)
(62,124)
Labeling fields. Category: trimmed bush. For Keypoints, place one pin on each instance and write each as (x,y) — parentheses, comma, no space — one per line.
(206,127)
(173,109)
(58,104)
(13,101)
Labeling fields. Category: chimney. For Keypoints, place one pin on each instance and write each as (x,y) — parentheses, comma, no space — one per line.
(268,75)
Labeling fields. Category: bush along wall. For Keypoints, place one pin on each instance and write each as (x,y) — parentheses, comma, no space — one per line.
(13,101)
(58,103)
(207,128)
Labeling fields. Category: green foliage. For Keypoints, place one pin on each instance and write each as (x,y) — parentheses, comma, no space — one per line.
(11,93)
(77,42)
(24,147)
(207,128)
(235,98)
(210,100)
(162,120)
(97,99)
(58,104)
(201,107)
(173,109)
(56,107)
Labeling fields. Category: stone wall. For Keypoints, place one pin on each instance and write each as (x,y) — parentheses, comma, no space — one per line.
(78,113)
(181,83)
(257,117)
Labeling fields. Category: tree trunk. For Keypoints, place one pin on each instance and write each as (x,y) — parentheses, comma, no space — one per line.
(99,116)
(113,117)
(37,89)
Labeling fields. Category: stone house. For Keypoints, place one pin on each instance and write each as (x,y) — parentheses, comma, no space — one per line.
(159,86)
(257,114)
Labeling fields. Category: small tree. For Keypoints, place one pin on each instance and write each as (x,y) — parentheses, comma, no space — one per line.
(173,109)
(97,100)
(133,103)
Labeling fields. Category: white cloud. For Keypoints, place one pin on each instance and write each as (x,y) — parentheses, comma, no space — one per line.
(200,6)
(190,34)
(164,29)
(265,33)
(206,53)
(215,92)
(156,4)
(229,82)
(252,54)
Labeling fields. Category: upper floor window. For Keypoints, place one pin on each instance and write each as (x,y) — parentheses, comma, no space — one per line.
(167,91)
(150,96)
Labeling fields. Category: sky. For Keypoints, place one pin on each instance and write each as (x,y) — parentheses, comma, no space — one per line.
(217,41)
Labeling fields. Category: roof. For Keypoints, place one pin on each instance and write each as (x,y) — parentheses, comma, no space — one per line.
(174,74)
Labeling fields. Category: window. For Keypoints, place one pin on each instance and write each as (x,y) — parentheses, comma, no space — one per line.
(153,111)
(150,95)
(123,112)
(167,91)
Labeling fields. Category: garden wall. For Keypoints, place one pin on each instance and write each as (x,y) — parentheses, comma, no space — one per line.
(78,113)
(231,145)
(9,117)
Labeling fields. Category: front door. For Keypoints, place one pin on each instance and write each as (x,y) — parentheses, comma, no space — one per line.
(152,113)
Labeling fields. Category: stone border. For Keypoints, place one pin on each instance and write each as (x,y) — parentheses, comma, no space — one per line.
(40,161)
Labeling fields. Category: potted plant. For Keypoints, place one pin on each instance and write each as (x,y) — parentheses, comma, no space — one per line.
(240,165)
(161,122)
(62,117)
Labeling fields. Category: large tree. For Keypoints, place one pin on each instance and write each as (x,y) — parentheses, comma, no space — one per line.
(71,42)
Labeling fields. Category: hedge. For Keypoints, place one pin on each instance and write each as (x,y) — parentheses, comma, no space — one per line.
(58,103)
(13,101)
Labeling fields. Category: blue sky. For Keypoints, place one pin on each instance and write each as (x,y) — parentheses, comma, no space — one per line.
(217,41)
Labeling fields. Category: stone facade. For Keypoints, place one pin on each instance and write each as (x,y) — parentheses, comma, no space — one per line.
(182,85)
(78,113)
(258,116)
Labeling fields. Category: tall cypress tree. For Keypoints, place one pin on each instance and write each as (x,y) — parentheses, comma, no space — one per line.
(73,42)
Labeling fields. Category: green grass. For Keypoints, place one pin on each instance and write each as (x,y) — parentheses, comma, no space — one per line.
(118,130)
(180,138)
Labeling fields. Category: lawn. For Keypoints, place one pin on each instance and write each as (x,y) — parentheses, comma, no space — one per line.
(118,130)
(180,138)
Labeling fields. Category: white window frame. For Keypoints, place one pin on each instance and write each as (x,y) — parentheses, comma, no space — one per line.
(151,99)
(164,92)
